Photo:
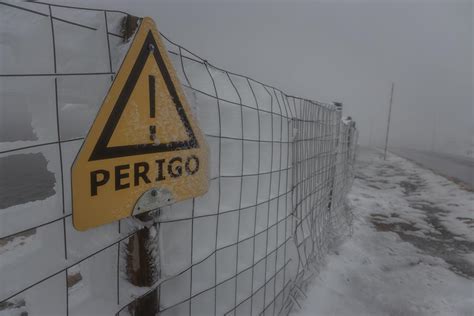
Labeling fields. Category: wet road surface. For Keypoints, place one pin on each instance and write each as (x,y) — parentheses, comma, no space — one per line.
(459,168)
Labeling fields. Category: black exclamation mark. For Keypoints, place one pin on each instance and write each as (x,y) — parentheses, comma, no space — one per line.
(151,89)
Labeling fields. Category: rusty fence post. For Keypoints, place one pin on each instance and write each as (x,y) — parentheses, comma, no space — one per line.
(143,263)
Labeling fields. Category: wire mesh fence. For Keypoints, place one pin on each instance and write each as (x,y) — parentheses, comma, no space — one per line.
(280,167)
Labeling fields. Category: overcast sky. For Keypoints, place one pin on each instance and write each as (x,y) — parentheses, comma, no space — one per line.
(348,51)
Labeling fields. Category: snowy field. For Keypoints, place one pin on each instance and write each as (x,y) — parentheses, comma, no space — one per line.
(412,250)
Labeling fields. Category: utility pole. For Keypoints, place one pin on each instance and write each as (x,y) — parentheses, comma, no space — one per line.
(388,122)
(433,134)
(371,124)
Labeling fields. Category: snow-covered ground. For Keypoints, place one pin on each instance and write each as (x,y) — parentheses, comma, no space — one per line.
(412,250)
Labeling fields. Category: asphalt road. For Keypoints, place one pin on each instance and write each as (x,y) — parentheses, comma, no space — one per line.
(459,168)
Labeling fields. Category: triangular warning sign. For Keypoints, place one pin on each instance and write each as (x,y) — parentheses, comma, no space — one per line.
(148,69)
(144,149)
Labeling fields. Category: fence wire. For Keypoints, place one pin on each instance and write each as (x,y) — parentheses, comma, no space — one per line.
(280,168)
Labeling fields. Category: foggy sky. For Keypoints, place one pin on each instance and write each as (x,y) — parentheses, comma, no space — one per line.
(349,51)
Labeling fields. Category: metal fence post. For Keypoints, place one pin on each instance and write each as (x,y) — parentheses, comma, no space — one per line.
(338,106)
(143,263)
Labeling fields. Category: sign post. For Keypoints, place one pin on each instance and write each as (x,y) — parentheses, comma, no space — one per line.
(143,263)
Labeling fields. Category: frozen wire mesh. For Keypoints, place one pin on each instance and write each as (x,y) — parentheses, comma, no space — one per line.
(280,167)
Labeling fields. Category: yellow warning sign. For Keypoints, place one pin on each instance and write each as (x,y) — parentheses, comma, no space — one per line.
(144,149)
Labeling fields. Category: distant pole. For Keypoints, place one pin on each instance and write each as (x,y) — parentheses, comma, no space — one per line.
(371,124)
(388,122)
(433,134)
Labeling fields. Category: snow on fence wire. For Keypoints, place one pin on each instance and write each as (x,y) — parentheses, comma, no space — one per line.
(280,168)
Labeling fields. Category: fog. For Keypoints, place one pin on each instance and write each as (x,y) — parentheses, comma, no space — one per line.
(347,51)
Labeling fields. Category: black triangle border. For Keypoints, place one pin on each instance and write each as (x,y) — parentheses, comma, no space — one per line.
(101,151)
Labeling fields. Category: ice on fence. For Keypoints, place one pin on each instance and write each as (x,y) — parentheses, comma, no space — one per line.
(180,309)
(89,18)
(229,193)
(45,299)
(29,119)
(93,295)
(207,114)
(177,211)
(25,47)
(242,85)
(277,122)
(249,191)
(118,50)
(175,245)
(224,86)
(203,274)
(246,223)
(83,244)
(245,258)
(231,118)
(266,158)
(261,217)
(245,308)
(231,157)
(251,157)
(31,257)
(263,187)
(275,178)
(226,262)
(250,124)
(244,285)
(208,203)
(176,61)
(270,269)
(225,297)
(266,128)
(203,304)
(260,246)
(214,156)
(272,212)
(262,95)
(204,237)
(227,229)
(199,77)
(175,290)
(258,283)
(230,249)
(114,22)
(31,190)
(77,109)
(280,103)
(81,49)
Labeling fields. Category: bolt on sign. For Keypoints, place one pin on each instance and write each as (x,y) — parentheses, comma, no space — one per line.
(144,149)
